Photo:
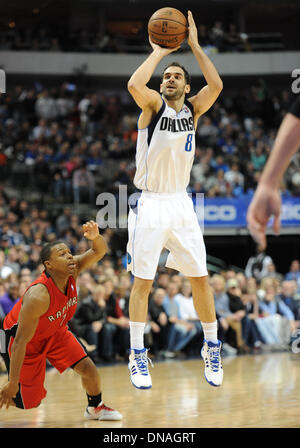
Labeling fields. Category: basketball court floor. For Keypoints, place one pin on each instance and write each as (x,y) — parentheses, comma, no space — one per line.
(259,391)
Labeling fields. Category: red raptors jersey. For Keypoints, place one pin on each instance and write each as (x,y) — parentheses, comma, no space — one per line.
(61,309)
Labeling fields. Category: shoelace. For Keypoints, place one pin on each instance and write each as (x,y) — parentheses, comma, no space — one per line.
(214,358)
(142,362)
(102,407)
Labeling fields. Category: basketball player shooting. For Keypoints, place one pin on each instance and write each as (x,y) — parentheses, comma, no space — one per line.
(164,215)
(36,330)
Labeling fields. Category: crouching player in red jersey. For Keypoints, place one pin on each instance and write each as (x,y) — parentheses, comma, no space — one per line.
(36,330)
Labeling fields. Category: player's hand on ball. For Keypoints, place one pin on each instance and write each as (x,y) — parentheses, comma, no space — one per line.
(162,50)
(91,230)
(193,33)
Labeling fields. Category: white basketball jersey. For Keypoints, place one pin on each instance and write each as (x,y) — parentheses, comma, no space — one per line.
(165,151)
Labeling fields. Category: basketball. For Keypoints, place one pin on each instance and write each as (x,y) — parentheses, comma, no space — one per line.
(167,27)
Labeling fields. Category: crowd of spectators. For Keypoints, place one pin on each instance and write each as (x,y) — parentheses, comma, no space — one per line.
(70,145)
(60,147)
(217,38)
(254,314)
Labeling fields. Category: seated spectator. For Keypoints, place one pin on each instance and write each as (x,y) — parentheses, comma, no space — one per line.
(62,181)
(257,265)
(177,279)
(217,35)
(272,273)
(41,130)
(251,304)
(45,106)
(187,312)
(229,148)
(242,281)
(159,322)
(12,260)
(162,279)
(198,172)
(26,275)
(5,270)
(94,160)
(2,314)
(123,292)
(9,299)
(23,286)
(238,314)
(218,183)
(226,318)
(232,39)
(250,333)
(115,333)
(86,281)
(83,184)
(89,320)
(294,272)
(203,35)
(277,321)
(287,296)
(295,182)
(186,305)
(41,173)
(233,176)
(207,132)
(219,163)
(63,221)
(95,112)
(258,158)
(182,331)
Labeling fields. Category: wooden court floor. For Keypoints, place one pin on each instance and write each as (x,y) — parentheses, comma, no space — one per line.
(261,391)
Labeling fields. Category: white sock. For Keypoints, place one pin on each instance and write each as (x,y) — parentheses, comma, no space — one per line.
(137,335)
(210,330)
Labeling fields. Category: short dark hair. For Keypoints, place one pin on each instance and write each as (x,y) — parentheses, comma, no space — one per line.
(46,250)
(187,76)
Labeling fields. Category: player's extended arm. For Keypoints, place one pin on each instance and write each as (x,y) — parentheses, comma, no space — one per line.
(97,251)
(266,201)
(286,144)
(35,303)
(137,84)
(206,97)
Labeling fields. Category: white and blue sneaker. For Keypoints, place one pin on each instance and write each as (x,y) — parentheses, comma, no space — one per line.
(213,370)
(138,366)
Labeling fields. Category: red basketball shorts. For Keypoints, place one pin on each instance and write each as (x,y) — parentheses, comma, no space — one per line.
(62,350)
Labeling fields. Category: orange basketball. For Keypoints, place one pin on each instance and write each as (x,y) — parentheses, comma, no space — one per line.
(167,27)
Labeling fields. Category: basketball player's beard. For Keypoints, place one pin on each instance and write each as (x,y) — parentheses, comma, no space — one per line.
(175,95)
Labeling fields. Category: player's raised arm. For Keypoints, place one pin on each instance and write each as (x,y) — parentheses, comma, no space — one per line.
(35,303)
(206,97)
(97,251)
(137,84)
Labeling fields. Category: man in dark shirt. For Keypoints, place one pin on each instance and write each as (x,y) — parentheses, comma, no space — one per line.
(159,321)
(90,318)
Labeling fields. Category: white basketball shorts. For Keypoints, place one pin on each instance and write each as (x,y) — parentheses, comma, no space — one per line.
(165,220)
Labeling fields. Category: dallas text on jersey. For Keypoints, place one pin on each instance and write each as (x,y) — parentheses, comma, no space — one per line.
(176,124)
